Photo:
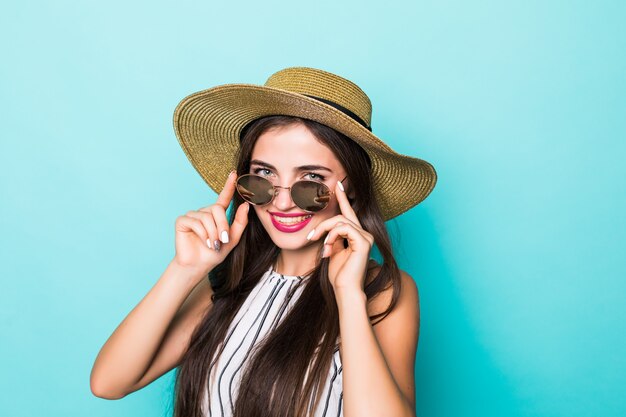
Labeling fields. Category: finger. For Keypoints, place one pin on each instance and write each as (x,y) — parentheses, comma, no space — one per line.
(326,225)
(219,214)
(239,223)
(226,195)
(209,224)
(187,223)
(356,241)
(344,204)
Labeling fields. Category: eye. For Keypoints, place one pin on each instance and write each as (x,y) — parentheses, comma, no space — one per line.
(258,170)
(316,177)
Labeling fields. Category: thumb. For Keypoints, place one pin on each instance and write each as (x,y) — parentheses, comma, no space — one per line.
(240,222)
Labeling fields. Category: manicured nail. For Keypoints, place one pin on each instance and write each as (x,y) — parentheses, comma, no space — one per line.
(217,245)
(208,243)
(310,235)
(224,236)
(340,185)
(326,240)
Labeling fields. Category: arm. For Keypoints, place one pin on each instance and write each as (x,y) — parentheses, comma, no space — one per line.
(378,362)
(154,336)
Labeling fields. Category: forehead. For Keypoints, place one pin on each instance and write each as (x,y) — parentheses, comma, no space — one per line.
(293,146)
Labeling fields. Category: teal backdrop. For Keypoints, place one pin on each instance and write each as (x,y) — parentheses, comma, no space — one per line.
(518,253)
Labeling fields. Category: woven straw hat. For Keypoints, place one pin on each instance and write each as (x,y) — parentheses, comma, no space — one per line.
(208,124)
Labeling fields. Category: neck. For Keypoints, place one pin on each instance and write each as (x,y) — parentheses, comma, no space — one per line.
(297,261)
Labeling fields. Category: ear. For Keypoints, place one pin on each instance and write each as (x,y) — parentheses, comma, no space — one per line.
(351,199)
(349,192)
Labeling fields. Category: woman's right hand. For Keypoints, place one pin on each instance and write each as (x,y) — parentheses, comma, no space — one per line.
(195,228)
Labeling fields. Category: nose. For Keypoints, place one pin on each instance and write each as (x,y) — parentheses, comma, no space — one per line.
(282,199)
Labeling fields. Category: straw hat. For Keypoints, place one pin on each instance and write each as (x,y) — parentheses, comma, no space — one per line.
(208,124)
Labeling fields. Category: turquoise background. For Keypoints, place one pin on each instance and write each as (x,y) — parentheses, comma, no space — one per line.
(518,253)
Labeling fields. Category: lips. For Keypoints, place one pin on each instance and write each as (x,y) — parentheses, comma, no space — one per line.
(289,221)
(290,228)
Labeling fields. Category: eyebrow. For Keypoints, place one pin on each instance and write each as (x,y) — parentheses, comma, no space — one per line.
(300,168)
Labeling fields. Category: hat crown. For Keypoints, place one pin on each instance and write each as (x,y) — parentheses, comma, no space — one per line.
(324,85)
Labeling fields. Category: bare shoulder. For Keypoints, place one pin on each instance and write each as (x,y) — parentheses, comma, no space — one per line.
(409,294)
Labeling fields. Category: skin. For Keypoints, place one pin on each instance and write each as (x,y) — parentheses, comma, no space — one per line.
(154,336)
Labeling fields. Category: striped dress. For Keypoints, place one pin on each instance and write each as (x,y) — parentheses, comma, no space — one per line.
(264,308)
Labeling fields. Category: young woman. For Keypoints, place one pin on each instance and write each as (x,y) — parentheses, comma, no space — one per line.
(279,309)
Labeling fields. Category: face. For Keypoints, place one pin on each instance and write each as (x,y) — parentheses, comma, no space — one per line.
(280,155)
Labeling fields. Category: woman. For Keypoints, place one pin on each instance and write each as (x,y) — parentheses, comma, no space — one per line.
(295,318)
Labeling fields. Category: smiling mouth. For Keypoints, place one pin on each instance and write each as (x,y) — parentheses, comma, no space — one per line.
(289,221)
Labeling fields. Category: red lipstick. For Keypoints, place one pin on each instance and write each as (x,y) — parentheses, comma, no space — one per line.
(289,228)
(288,215)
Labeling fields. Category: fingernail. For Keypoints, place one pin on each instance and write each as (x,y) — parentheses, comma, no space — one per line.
(217,245)
(224,236)
(208,243)
(340,185)
(310,235)
(326,240)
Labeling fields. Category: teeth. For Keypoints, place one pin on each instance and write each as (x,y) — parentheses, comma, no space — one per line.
(291,220)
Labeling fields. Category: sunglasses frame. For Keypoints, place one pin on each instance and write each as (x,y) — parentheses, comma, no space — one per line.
(276,187)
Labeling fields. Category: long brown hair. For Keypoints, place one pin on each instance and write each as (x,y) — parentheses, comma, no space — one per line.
(273,381)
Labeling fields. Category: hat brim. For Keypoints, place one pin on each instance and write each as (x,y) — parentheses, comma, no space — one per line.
(208,123)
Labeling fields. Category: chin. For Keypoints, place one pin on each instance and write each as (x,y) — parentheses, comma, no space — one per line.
(288,241)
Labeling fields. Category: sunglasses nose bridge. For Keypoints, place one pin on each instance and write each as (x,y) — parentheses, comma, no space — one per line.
(276,192)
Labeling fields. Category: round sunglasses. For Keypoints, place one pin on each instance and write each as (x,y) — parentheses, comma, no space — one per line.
(309,195)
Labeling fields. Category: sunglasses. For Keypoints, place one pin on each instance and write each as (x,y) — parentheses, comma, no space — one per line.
(310,196)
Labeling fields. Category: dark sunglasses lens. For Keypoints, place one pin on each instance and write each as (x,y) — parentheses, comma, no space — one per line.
(255,189)
(310,195)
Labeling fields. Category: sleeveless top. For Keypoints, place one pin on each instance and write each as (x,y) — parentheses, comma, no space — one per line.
(263,309)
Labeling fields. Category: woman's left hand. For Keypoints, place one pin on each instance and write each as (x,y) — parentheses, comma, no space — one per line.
(347,267)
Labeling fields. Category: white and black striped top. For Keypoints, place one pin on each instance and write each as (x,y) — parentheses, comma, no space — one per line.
(264,308)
